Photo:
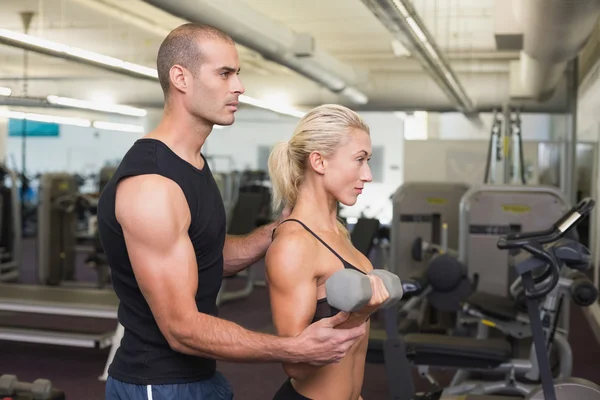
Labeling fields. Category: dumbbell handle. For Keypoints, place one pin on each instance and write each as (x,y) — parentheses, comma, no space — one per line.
(411,286)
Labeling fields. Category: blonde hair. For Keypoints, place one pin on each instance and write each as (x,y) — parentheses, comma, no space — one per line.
(323,129)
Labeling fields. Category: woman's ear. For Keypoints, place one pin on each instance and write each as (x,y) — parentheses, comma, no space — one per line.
(317,162)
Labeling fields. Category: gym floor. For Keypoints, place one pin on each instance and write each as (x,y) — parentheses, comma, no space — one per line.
(76,370)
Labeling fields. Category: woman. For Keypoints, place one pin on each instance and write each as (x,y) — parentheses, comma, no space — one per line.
(324,162)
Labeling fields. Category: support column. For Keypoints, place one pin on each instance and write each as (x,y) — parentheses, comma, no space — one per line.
(569,181)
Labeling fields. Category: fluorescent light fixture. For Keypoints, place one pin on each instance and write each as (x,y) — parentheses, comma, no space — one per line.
(431,50)
(4,91)
(39,44)
(273,107)
(97,106)
(401,8)
(45,118)
(416,29)
(113,126)
(99,60)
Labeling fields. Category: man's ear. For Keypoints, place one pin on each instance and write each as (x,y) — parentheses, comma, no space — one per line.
(179,77)
(317,162)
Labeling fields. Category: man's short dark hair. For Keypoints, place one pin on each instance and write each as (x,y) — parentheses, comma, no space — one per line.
(182,46)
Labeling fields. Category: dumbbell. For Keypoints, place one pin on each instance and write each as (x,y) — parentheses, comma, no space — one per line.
(40,389)
(349,290)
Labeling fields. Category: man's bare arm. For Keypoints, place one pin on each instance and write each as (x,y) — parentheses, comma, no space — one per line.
(155,218)
(242,251)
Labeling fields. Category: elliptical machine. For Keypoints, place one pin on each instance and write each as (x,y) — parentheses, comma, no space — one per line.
(539,268)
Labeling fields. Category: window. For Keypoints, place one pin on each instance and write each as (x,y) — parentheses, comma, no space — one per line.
(415,126)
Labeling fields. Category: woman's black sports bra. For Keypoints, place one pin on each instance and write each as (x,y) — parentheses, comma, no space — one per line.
(324,310)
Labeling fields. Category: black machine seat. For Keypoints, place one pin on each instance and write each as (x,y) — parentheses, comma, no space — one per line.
(455,351)
(494,306)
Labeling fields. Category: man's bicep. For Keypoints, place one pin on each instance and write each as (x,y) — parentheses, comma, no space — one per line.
(154,223)
(292,288)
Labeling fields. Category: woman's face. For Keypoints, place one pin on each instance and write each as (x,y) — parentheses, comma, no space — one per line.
(348,169)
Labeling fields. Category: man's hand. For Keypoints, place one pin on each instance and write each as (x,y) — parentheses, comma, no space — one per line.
(320,343)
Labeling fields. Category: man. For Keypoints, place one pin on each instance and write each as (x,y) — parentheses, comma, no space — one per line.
(162,225)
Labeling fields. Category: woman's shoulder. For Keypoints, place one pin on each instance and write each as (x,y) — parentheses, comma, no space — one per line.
(291,236)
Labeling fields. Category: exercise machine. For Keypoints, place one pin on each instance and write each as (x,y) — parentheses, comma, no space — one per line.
(59,239)
(505,150)
(544,255)
(486,213)
(106,173)
(415,205)
(10,226)
(243,220)
(365,235)
(539,267)
(56,227)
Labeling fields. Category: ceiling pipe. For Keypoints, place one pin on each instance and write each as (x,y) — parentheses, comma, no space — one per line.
(403,22)
(554,32)
(273,40)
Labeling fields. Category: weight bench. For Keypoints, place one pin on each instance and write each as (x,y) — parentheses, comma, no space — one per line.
(451,352)
(462,353)
(59,301)
(454,351)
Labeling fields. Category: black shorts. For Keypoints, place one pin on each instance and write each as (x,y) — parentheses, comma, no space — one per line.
(287,392)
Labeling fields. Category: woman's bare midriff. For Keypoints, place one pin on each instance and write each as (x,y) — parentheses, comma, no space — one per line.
(341,381)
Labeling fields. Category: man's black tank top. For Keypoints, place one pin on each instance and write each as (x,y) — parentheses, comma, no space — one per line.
(144,356)
(324,310)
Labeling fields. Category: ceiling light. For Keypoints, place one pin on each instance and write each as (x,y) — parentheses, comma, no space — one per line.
(97,106)
(270,106)
(47,46)
(113,126)
(4,91)
(45,118)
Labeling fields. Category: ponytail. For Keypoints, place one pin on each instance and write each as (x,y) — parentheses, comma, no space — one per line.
(285,175)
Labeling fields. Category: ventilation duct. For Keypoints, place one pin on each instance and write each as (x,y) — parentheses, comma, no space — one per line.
(400,18)
(274,41)
(554,32)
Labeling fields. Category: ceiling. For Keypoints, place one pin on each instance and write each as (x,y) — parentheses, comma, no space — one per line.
(346,29)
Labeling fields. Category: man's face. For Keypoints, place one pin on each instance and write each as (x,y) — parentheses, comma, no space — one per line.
(216,86)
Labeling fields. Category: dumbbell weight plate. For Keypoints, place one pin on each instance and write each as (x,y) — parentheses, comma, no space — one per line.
(348,290)
(7,385)
(41,389)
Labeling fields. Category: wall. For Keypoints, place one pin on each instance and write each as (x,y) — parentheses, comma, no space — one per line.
(456,149)
(77,150)
(454,160)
